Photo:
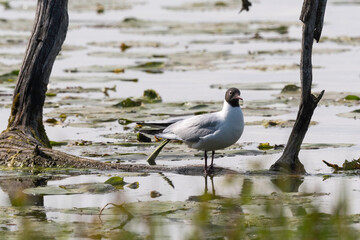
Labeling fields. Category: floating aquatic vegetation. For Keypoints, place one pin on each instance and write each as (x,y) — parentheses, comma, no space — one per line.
(326,145)
(98,188)
(17,24)
(134,185)
(107,89)
(297,51)
(352,98)
(220,4)
(95,6)
(5,4)
(167,179)
(52,121)
(204,6)
(345,40)
(263,111)
(273,67)
(57,144)
(63,117)
(265,146)
(9,77)
(347,165)
(117,182)
(96,69)
(83,143)
(51,94)
(129,102)
(290,88)
(73,89)
(253,86)
(118,70)
(274,123)
(100,9)
(124,121)
(129,79)
(151,96)
(181,60)
(133,44)
(124,46)
(155,194)
(150,67)
(353,114)
(151,27)
(282,29)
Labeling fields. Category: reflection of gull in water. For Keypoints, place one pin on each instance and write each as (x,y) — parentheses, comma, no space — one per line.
(206,196)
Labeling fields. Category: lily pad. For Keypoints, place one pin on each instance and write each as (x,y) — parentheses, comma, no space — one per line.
(290,88)
(155,194)
(116,181)
(94,6)
(282,29)
(326,145)
(48,190)
(265,146)
(56,144)
(276,123)
(52,121)
(273,67)
(252,86)
(353,114)
(150,67)
(50,94)
(344,40)
(98,188)
(70,189)
(151,95)
(204,5)
(352,98)
(129,102)
(9,77)
(134,185)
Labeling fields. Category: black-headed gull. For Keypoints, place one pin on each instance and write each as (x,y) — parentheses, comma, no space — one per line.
(208,132)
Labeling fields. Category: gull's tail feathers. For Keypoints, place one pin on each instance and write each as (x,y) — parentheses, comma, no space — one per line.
(155,125)
(153,128)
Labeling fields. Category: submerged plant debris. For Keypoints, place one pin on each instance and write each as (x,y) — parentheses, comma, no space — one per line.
(346,166)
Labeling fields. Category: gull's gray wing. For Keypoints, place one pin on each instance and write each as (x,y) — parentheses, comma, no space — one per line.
(192,129)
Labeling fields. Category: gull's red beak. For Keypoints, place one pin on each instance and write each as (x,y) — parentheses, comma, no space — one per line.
(238,97)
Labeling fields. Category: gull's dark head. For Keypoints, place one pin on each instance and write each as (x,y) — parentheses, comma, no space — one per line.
(232,96)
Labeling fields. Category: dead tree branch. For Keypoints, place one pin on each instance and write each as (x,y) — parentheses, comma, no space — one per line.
(312,15)
(246,4)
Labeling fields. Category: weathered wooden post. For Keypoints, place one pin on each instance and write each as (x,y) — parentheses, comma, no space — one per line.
(312,15)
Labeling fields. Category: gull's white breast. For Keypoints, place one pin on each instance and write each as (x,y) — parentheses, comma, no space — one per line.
(229,130)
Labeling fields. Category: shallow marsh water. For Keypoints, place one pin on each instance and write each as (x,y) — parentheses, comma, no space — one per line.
(200,49)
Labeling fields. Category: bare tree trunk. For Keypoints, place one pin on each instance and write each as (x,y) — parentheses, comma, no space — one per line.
(312,15)
(48,35)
